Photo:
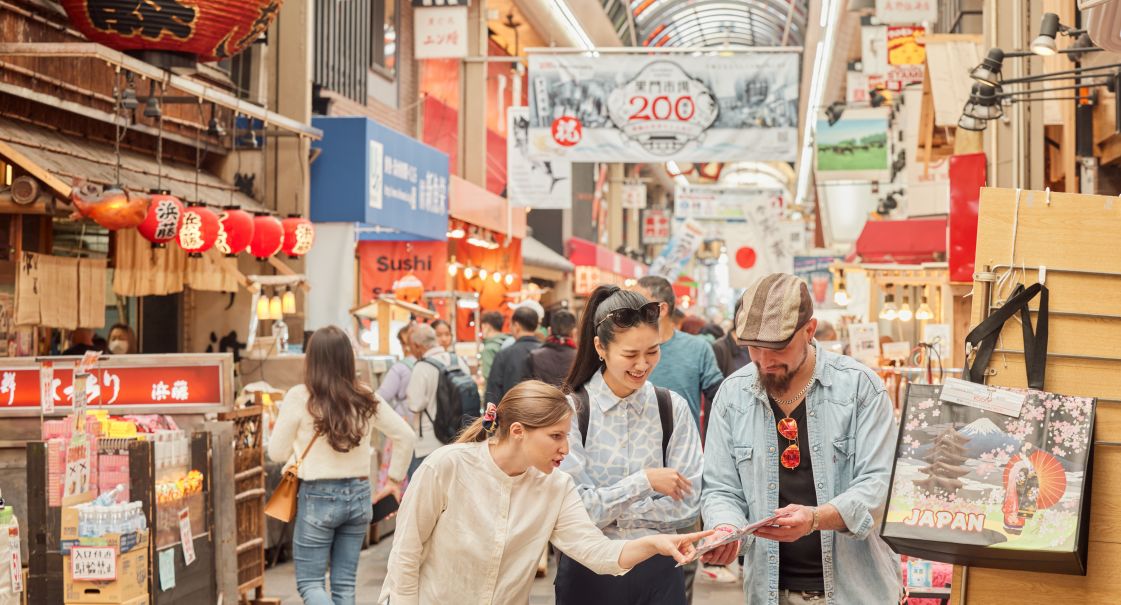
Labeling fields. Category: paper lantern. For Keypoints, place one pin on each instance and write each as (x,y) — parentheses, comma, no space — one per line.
(235,231)
(114,208)
(268,236)
(299,235)
(198,231)
(408,289)
(211,30)
(165,214)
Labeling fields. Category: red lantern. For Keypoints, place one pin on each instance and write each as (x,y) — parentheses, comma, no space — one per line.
(211,30)
(199,230)
(235,231)
(299,235)
(268,236)
(165,214)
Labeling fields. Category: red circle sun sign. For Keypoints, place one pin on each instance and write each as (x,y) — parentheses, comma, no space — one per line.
(745,257)
(567,131)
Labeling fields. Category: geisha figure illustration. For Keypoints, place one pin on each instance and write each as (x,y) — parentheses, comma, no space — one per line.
(1033,480)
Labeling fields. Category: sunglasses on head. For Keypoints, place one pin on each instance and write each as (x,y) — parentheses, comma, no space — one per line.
(628,316)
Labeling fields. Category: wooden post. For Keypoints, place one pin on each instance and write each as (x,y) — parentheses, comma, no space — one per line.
(225,512)
(385,317)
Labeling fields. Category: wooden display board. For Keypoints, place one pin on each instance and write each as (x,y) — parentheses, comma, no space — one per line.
(1076,237)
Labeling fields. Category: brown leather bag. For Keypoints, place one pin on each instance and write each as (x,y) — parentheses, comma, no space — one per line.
(282,503)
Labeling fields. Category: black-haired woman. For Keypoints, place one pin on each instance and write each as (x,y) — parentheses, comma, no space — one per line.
(327,422)
(638,468)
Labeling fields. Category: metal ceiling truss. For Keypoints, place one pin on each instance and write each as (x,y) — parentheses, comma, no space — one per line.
(709,23)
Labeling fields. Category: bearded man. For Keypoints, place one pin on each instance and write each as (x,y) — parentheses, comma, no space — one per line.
(807,435)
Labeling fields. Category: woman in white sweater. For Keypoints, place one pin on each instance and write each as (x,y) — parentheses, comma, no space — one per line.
(478,513)
(327,422)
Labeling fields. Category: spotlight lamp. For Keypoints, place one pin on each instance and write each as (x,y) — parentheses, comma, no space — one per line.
(1049,27)
(988,72)
(152,105)
(889,311)
(834,111)
(984,103)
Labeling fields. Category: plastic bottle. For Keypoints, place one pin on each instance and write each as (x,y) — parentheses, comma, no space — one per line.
(110,497)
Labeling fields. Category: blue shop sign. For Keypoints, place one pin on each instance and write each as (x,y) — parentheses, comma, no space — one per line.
(369,174)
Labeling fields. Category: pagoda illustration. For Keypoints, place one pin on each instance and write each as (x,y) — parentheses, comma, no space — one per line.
(946,464)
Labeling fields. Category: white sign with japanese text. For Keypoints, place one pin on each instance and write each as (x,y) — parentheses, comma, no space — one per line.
(634,196)
(533,183)
(440,32)
(906,12)
(15,564)
(655,226)
(185,535)
(93,563)
(687,239)
(46,387)
(724,203)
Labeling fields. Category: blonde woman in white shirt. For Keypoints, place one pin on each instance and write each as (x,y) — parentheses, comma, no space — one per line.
(478,513)
(332,417)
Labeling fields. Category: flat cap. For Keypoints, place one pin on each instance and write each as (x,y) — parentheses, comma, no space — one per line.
(772,310)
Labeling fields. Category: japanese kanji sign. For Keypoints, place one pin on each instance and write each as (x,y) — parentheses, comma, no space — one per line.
(107,384)
(440,32)
(906,12)
(643,108)
(655,226)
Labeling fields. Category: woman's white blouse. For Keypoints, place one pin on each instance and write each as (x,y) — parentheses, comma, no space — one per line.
(468,533)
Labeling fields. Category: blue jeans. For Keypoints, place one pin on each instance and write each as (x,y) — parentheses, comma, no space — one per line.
(332,519)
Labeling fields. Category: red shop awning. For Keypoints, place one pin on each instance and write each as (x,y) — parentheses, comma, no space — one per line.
(907,242)
(583,253)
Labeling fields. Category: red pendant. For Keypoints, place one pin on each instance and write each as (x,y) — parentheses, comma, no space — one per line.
(791,457)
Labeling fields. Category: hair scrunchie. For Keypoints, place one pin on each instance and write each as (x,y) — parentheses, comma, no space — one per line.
(490,418)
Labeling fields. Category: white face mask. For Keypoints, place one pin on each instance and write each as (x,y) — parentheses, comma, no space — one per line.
(118,347)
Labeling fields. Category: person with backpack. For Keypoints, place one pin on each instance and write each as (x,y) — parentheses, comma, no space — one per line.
(477,513)
(325,425)
(511,365)
(441,393)
(635,453)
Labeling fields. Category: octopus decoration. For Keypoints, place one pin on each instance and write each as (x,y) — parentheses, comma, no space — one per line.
(113,208)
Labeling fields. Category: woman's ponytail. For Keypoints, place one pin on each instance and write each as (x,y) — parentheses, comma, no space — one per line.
(587,361)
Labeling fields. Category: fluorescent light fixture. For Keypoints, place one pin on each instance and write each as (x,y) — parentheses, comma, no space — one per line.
(575,30)
(823,59)
(675,170)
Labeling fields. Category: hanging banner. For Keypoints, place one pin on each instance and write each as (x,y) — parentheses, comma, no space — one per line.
(640,108)
(758,246)
(382,263)
(713,202)
(687,238)
(533,183)
(634,196)
(655,226)
(440,32)
(906,45)
(903,12)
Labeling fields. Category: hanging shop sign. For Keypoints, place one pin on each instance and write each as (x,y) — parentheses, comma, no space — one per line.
(596,265)
(687,238)
(367,173)
(712,202)
(385,263)
(440,32)
(212,30)
(902,12)
(640,108)
(136,382)
(533,183)
(634,196)
(857,144)
(905,45)
(655,226)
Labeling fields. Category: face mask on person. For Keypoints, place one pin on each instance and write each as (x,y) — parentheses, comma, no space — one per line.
(118,347)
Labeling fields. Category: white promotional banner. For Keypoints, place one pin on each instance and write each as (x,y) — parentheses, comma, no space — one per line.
(643,108)
(906,12)
(533,183)
(687,239)
(634,196)
(713,202)
(440,32)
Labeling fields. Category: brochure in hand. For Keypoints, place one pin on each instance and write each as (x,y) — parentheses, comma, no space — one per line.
(730,537)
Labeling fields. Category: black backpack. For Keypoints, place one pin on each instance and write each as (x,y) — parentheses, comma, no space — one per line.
(457,400)
(665,414)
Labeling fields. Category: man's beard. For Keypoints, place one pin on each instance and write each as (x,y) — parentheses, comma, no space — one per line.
(779,383)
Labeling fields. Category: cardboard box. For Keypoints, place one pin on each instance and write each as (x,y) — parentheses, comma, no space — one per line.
(137,601)
(131,566)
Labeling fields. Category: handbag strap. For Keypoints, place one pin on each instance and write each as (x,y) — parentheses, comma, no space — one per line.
(983,338)
(296,467)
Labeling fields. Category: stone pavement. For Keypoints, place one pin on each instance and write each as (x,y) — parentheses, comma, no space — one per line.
(280,581)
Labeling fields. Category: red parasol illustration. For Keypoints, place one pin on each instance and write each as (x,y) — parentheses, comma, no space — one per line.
(1049,472)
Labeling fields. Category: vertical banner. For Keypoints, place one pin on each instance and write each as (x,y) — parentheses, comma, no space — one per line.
(655,226)
(687,238)
(533,183)
(642,108)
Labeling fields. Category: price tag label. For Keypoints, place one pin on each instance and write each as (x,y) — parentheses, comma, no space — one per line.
(93,563)
(167,569)
(982,397)
(186,536)
(46,387)
(15,564)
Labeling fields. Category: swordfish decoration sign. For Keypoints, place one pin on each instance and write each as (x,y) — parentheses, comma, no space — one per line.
(637,108)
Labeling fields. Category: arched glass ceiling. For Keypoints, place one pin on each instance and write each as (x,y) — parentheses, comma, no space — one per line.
(709,23)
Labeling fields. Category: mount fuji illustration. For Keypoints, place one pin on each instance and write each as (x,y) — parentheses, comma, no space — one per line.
(984,436)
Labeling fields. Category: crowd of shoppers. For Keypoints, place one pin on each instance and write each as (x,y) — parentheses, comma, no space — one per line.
(622,408)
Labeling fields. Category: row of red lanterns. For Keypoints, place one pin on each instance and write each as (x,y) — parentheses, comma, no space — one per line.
(197,229)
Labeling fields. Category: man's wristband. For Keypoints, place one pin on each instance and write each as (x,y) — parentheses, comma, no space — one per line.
(817,519)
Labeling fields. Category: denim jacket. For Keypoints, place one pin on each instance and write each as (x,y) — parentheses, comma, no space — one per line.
(852,436)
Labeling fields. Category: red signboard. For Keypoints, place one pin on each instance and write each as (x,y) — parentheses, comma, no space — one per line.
(118,386)
(967,177)
(655,227)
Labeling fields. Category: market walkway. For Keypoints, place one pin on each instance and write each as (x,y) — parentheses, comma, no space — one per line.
(281,582)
